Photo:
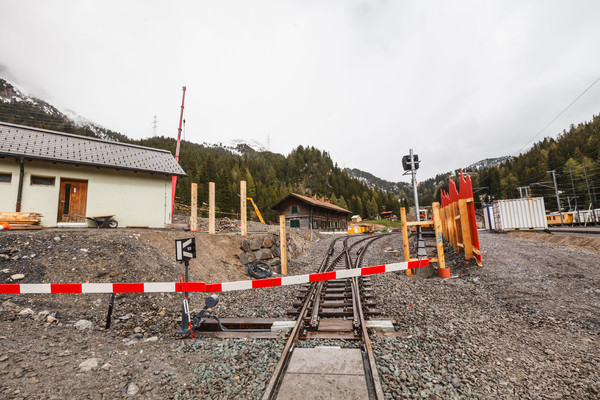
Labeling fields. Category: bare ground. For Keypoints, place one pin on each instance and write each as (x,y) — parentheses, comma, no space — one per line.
(524,326)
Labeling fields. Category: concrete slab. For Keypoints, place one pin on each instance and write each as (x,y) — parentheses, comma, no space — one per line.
(323,387)
(325,373)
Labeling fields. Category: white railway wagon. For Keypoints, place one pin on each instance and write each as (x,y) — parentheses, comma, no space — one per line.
(513,214)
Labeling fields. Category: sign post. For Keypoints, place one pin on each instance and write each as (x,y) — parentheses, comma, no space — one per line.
(185,250)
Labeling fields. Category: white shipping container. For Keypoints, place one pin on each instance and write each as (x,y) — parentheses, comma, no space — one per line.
(528,213)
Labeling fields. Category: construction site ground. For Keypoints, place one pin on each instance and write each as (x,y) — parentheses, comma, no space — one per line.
(526,325)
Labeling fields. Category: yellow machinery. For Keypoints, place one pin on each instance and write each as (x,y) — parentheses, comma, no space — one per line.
(256,209)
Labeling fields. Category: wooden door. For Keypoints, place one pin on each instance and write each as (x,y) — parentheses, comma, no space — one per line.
(72,200)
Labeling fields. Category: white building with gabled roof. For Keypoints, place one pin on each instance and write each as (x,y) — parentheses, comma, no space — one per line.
(67,178)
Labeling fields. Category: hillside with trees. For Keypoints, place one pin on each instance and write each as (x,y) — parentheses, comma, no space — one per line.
(574,155)
(271,176)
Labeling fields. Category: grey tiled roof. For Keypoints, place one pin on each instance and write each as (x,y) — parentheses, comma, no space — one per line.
(18,140)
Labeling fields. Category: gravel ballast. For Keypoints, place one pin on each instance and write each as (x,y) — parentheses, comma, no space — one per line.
(523,326)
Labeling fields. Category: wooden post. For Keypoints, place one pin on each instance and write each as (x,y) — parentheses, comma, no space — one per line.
(283,245)
(404,234)
(405,239)
(243,202)
(439,241)
(211,208)
(465,228)
(194,209)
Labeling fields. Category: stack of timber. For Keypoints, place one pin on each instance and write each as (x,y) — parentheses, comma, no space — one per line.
(21,220)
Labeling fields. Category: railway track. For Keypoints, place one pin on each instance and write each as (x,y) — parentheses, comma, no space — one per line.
(331,310)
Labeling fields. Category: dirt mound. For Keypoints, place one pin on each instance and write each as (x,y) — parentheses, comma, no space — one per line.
(574,241)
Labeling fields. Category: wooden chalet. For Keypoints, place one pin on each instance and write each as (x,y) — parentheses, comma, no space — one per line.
(306,212)
(388,215)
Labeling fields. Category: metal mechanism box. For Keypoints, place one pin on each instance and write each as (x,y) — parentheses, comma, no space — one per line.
(528,213)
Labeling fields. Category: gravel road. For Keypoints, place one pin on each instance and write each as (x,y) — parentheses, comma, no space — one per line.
(526,325)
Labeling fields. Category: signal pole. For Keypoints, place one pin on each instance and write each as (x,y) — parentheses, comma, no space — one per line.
(553,172)
(413,172)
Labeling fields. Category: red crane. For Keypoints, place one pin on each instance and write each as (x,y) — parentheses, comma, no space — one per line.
(174,178)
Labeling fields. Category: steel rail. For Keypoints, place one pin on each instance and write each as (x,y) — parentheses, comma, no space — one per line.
(313,296)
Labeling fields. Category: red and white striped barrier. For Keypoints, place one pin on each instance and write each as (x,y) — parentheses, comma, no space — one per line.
(166,287)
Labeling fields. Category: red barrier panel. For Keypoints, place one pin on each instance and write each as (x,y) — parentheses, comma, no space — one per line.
(459,224)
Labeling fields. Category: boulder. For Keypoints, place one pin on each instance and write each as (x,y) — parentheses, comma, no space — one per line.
(276,251)
(267,243)
(251,256)
(255,244)
(243,258)
(264,254)
(245,245)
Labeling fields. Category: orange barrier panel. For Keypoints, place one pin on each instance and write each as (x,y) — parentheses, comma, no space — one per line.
(459,226)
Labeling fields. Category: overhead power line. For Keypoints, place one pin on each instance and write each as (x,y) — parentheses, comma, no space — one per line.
(560,113)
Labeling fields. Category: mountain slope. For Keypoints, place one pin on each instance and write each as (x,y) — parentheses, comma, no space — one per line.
(20,108)
(269,176)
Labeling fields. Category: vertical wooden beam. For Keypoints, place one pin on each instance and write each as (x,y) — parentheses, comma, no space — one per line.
(243,203)
(283,245)
(211,208)
(194,209)
(404,234)
(443,221)
(439,242)
(465,229)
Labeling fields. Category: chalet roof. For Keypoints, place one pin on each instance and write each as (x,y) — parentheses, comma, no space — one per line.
(42,144)
(311,201)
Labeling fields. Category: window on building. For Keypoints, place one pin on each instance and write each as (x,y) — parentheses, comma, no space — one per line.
(42,180)
(5,177)
(294,209)
(294,223)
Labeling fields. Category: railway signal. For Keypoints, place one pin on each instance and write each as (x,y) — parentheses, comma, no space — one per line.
(185,250)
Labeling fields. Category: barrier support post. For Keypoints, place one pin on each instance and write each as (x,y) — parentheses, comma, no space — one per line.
(194,209)
(465,229)
(243,202)
(283,245)
(405,239)
(211,208)
(439,242)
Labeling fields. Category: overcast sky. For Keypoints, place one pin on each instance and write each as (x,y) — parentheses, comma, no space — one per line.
(457,81)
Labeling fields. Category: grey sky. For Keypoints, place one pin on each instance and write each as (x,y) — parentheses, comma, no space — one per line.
(458,81)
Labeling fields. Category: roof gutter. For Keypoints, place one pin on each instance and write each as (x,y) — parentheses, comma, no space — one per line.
(21,176)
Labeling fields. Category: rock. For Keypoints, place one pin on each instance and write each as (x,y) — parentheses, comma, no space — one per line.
(152,339)
(243,258)
(51,319)
(132,389)
(264,254)
(106,366)
(89,364)
(255,244)
(56,239)
(245,245)
(138,329)
(41,316)
(17,277)
(26,312)
(83,324)
(276,251)
(6,270)
(455,382)
(251,256)
(549,352)
(84,250)
(10,306)
(267,243)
